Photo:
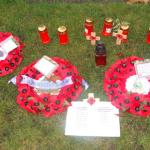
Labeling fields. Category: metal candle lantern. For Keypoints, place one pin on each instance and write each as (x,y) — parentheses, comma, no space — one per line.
(44,34)
(107,27)
(89,26)
(62,35)
(100,54)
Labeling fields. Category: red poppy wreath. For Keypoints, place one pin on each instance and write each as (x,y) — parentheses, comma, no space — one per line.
(10,53)
(50,94)
(115,85)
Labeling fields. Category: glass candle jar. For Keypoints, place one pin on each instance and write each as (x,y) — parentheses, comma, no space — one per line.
(100,53)
(89,26)
(62,35)
(148,37)
(107,27)
(44,34)
(125,30)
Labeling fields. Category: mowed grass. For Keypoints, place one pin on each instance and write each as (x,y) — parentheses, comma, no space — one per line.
(20,130)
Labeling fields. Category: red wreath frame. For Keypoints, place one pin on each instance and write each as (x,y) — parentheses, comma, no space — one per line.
(114,86)
(45,103)
(13,59)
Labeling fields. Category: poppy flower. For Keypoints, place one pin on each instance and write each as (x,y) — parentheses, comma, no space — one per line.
(24,89)
(48,111)
(45,98)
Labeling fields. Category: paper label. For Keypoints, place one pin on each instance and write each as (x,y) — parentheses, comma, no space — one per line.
(7,46)
(143,68)
(99,119)
(46,66)
(86,30)
(108,30)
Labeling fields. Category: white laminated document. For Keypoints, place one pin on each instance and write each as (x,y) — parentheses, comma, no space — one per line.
(143,68)
(99,119)
(46,66)
(7,46)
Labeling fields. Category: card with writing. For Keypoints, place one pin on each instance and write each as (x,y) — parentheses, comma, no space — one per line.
(9,44)
(46,66)
(96,119)
(143,68)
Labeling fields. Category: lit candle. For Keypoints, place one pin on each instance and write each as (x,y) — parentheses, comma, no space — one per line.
(107,27)
(148,37)
(125,30)
(44,34)
(100,54)
(62,35)
(89,26)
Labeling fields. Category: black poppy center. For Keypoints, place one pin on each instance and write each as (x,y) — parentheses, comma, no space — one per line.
(16,60)
(12,64)
(126,101)
(76,87)
(57,102)
(137,109)
(124,65)
(24,91)
(137,98)
(117,69)
(109,86)
(115,85)
(115,97)
(69,99)
(64,67)
(26,103)
(6,68)
(45,99)
(36,104)
(69,73)
(47,109)
(111,92)
(148,103)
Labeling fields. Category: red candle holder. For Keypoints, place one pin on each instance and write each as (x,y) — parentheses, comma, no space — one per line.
(107,27)
(62,35)
(125,31)
(45,39)
(89,26)
(148,37)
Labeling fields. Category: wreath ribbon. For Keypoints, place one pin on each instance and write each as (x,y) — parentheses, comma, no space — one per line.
(46,85)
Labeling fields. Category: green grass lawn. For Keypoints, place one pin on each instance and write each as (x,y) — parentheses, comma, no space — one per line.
(20,130)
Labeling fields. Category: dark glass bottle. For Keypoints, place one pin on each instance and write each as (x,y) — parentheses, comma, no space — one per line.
(100,54)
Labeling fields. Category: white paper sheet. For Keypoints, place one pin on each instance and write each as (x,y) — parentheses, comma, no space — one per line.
(143,69)
(8,44)
(99,119)
(46,66)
